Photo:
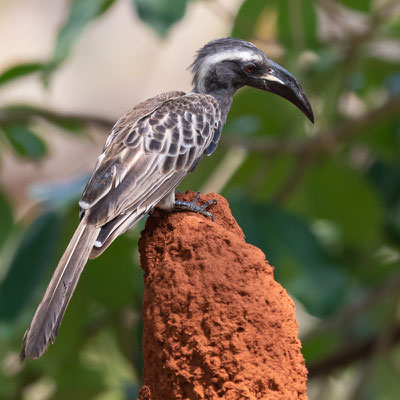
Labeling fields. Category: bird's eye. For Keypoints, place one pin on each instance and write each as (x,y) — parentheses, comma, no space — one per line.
(249,68)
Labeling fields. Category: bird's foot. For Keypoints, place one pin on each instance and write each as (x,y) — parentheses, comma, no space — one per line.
(193,206)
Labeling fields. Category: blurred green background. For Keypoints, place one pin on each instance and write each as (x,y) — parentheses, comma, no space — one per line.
(322,201)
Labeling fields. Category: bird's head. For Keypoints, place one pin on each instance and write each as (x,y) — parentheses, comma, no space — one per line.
(229,64)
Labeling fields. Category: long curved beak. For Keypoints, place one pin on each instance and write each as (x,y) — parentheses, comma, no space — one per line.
(281,82)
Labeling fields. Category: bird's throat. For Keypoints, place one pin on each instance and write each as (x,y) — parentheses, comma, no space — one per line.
(224,97)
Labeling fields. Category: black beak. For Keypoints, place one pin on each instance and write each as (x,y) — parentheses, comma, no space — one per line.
(281,82)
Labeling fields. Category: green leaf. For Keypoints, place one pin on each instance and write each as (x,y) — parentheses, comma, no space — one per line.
(160,15)
(383,138)
(300,262)
(334,192)
(19,71)
(80,14)
(6,218)
(376,73)
(384,382)
(26,113)
(243,125)
(297,24)
(77,380)
(386,179)
(275,176)
(24,141)
(247,175)
(260,176)
(319,345)
(32,259)
(392,28)
(359,5)
(125,281)
(245,21)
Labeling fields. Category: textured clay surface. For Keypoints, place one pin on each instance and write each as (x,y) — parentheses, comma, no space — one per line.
(216,324)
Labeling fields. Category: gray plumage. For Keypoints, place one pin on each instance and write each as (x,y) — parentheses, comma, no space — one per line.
(147,154)
(47,319)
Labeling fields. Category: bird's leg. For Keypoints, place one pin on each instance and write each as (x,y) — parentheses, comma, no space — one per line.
(193,206)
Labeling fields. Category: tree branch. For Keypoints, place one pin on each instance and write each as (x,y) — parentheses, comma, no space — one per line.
(325,141)
(294,178)
(365,349)
(350,354)
(28,113)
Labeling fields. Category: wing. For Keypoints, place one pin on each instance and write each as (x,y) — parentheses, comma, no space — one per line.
(147,154)
(101,180)
(145,160)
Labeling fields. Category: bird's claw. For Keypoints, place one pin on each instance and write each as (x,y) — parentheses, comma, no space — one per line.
(193,206)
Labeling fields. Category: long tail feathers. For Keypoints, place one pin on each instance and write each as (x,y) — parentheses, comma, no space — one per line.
(50,312)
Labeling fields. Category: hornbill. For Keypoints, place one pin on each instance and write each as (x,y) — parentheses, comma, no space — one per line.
(147,154)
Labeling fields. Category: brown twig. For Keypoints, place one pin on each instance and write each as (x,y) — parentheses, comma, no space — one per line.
(23,113)
(324,141)
(382,343)
(365,349)
(350,354)
(387,289)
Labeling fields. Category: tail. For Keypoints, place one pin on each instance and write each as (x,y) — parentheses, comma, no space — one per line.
(47,319)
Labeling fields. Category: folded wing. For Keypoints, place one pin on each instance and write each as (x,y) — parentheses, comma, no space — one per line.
(145,159)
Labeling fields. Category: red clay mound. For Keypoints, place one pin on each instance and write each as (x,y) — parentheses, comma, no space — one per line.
(216,324)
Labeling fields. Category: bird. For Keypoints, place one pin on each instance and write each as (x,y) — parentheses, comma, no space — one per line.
(147,154)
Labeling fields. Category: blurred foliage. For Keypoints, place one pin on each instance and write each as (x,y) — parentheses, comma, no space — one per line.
(160,15)
(18,71)
(36,248)
(323,202)
(24,141)
(80,14)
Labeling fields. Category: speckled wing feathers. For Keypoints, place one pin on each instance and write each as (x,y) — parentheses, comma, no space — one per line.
(149,151)
(146,156)
(109,169)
